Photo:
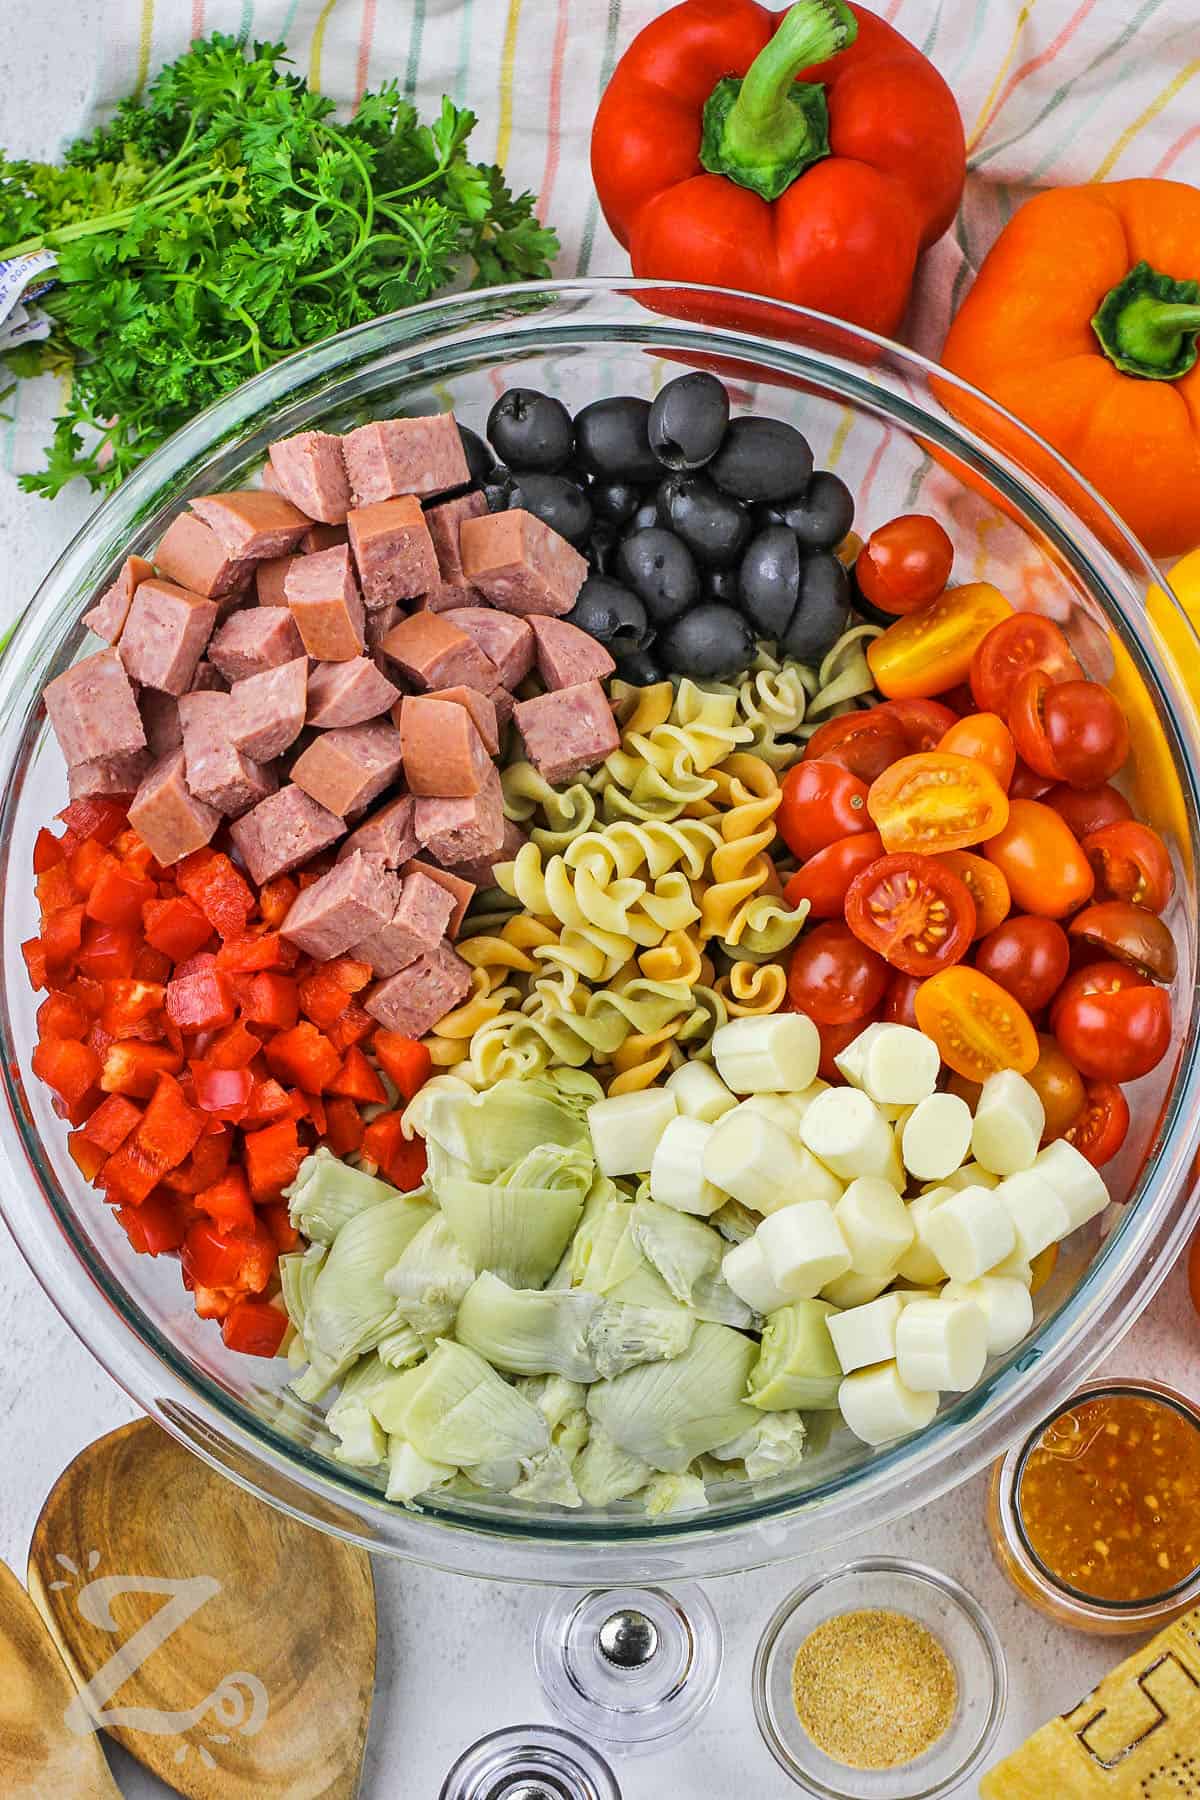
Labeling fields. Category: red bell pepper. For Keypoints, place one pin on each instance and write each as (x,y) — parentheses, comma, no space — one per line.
(170,1127)
(265,950)
(107,952)
(36,962)
(278,1222)
(276,899)
(129,1006)
(68,1067)
(201,1000)
(87,862)
(225,1092)
(234,1048)
(223,896)
(47,851)
(241,1260)
(88,1158)
(95,817)
(268,1102)
(344,1128)
(175,926)
(357,1080)
(62,938)
(354,1026)
(227,1202)
(134,1068)
(271,999)
(401,1160)
(55,890)
(327,991)
(130,1174)
(61,1015)
(303,1057)
(152,965)
(404,1060)
(272,1158)
(154,1227)
(255,1327)
(809,157)
(111,1123)
(117,896)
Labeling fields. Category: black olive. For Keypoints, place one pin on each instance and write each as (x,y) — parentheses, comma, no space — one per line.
(710,642)
(639,668)
(714,527)
(823,609)
(480,460)
(611,440)
(820,516)
(497,487)
(762,459)
(769,580)
(721,585)
(616,501)
(601,547)
(647,514)
(559,503)
(688,420)
(530,430)
(611,614)
(659,568)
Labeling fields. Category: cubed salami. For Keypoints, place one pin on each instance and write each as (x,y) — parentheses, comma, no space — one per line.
(444,522)
(167,817)
(92,710)
(506,640)
(431,652)
(520,563)
(311,471)
(393,551)
(160,721)
(418,924)
(460,891)
(348,693)
(503,702)
(413,1001)
(345,770)
(349,902)
(207,679)
(567,656)
(482,709)
(269,579)
(482,872)
(567,731)
(392,457)
(216,771)
(254,522)
(443,751)
(379,622)
(283,831)
(193,556)
(262,637)
(165,635)
(463,830)
(267,710)
(107,618)
(322,537)
(323,598)
(387,834)
(111,775)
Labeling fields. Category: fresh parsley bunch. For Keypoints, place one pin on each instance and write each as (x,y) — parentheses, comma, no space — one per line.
(224,221)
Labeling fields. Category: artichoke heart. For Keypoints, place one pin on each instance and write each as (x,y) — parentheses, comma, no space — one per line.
(430,1279)
(454,1408)
(623,1334)
(529,1331)
(797,1365)
(604,1472)
(518,1225)
(327,1193)
(666,1413)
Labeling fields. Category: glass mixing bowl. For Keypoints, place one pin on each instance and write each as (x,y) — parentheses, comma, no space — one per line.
(903,435)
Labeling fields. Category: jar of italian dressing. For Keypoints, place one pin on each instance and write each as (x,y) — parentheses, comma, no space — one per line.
(1095,1516)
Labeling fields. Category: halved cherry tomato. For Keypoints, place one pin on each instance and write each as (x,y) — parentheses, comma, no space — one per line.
(1059,1087)
(1102,1127)
(1112,1024)
(985,884)
(987,738)
(923,722)
(898,1002)
(930,651)
(905,564)
(821,803)
(914,911)
(1071,730)
(1021,642)
(937,801)
(1027,722)
(1088,809)
(977,1027)
(1028,957)
(1027,784)
(1046,871)
(825,877)
(866,743)
(834,1039)
(1130,862)
(833,977)
(1130,934)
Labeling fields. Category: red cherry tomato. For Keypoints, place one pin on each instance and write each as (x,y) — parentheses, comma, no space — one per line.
(1112,1024)
(905,563)
(1129,934)
(915,911)
(1130,862)
(866,743)
(825,877)
(1027,722)
(1086,730)
(923,722)
(1024,641)
(987,738)
(821,803)
(1028,957)
(1088,809)
(834,1039)
(1027,784)
(899,1002)
(1103,1125)
(833,977)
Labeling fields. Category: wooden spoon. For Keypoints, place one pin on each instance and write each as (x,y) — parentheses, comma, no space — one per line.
(227,1647)
(39,1754)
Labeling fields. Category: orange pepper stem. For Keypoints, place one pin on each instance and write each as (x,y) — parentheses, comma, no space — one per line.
(1148,325)
(765,129)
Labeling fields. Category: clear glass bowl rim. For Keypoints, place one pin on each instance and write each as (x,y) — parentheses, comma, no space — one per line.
(554,1547)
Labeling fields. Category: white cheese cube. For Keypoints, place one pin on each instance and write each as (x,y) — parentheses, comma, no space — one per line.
(745,1271)
(866,1334)
(781,1109)
(1014,1268)
(877,1406)
(699,1092)
(804,1248)
(845,1130)
(972,1174)
(895,1064)
(677,1169)
(935,1137)
(1009,1122)
(919,1264)
(853,1289)
(941,1345)
(1006,1306)
(626,1129)
(875,1225)
(1078,1185)
(970,1232)
(756,1161)
(1039,1217)
(773,1054)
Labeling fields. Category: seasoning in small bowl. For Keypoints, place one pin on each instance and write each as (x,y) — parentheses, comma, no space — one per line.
(873,1689)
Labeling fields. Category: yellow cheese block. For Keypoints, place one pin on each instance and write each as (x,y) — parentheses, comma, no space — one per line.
(1135,1737)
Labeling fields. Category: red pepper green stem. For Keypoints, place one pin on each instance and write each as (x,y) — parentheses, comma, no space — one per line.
(764,130)
(1149,324)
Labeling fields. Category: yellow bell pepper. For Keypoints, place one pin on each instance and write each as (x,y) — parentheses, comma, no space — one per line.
(1156,790)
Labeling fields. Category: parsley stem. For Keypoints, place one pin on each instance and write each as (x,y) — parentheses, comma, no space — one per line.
(111,221)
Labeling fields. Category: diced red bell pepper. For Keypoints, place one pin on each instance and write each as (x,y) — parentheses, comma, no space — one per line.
(268,1102)
(87,863)
(55,889)
(89,993)
(357,1080)
(234,1048)
(136,855)
(88,1157)
(151,965)
(99,1040)
(278,1222)
(95,817)
(327,991)
(130,1174)
(130,1005)
(271,999)
(401,1160)
(255,1327)
(176,926)
(62,937)
(315,1108)
(202,1001)
(69,1068)
(272,1158)
(404,1060)
(107,952)
(225,1092)
(353,1027)
(47,851)
(223,896)
(303,1057)
(134,1068)
(34,952)
(62,1016)
(206,1165)
(155,1227)
(243,1260)
(267,950)
(227,1203)
(276,898)
(117,896)
(170,1127)
(210,1303)
(111,1123)
(343,1127)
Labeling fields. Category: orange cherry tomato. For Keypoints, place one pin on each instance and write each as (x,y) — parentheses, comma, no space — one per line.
(866,743)
(1130,862)
(821,803)
(937,801)
(904,564)
(912,910)
(987,738)
(977,1027)
(1046,871)
(1023,641)
(1059,1087)
(931,650)
(825,877)
(1128,933)
(1102,1127)
(1042,1268)
(986,886)
(1112,1024)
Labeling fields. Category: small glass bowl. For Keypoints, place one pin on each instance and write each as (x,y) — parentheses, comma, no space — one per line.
(961,1628)
(1024,1568)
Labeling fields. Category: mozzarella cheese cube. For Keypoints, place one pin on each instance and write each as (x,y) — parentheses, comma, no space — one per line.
(773,1054)
(875,1225)
(852,1289)
(866,1334)
(919,1264)
(745,1271)
(1009,1122)
(972,1174)
(941,1345)
(677,1169)
(804,1248)
(845,1130)
(895,1064)
(699,1092)
(626,1129)
(756,1161)
(781,1109)
(1039,1217)
(969,1232)
(1077,1184)
(935,1137)
(1014,1268)
(877,1406)
(1006,1306)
